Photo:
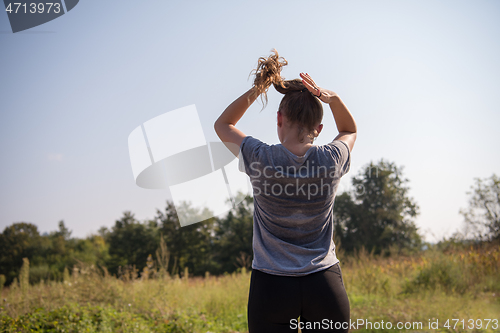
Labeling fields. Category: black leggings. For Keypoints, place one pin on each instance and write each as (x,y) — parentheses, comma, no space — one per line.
(275,302)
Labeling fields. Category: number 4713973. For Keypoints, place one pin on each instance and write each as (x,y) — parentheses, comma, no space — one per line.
(471,323)
(33,7)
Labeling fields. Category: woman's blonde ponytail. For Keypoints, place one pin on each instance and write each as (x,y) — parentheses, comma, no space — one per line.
(268,72)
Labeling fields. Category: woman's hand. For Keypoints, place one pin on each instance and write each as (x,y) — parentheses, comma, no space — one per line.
(324,95)
(343,118)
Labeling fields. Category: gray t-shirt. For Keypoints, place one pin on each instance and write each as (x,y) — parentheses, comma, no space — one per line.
(293,204)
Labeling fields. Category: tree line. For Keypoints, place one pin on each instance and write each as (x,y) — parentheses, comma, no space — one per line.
(377,214)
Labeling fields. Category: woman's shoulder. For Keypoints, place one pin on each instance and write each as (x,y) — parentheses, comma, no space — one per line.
(251,141)
(337,146)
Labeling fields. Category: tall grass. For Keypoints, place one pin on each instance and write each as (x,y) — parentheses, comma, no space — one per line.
(435,284)
(186,304)
(453,284)
(470,271)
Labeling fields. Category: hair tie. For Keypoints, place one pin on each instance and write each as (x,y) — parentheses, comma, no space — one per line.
(305,89)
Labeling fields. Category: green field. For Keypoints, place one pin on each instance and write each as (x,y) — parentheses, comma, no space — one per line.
(461,284)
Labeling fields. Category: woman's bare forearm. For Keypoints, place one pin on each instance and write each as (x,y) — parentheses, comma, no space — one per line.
(233,113)
(225,125)
(343,118)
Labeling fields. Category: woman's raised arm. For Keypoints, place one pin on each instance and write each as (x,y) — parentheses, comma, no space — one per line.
(225,125)
(343,118)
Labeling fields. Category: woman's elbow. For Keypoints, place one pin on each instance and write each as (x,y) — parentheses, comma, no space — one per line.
(217,126)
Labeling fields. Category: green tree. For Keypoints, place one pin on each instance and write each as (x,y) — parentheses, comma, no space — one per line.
(233,238)
(49,254)
(131,242)
(379,214)
(482,217)
(18,241)
(55,251)
(92,250)
(63,232)
(190,246)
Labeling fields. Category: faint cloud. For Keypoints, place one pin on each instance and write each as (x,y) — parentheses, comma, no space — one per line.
(55,157)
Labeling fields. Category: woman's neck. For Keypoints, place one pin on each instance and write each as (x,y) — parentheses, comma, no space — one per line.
(296,147)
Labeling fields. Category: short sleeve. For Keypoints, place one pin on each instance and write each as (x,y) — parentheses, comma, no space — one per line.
(341,155)
(250,151)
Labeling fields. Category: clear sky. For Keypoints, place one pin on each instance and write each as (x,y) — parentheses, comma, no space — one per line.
(422,79)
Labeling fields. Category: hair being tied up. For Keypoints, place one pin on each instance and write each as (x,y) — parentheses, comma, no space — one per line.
(298,104)
(268,72)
